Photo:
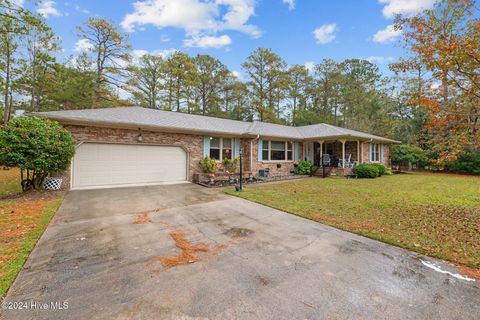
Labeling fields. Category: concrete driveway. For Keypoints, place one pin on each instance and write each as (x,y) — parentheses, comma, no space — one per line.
(186,252)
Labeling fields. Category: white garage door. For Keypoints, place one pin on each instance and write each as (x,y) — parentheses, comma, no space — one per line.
(99,165)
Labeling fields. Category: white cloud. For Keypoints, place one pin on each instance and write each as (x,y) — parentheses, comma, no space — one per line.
(380,59)
(237,75)
(138,53)
(83,45)
(310,65)
(290,4)
(208,41)
(194,16)
(405,7)
(325,34)
(46,8)
(164,38)
(18,2)
(387,35)
(80,9)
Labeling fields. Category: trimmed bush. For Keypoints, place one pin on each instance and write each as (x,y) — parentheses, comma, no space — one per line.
(404,155)
(231,165)
(208,165)
(304,167)
(366,170)
(381,168)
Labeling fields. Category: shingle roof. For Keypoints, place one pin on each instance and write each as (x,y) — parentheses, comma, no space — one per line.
(274,130)
(168,120)
(144,117)
(326,130)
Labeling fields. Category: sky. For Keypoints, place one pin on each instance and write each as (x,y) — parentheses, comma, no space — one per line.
(300,31)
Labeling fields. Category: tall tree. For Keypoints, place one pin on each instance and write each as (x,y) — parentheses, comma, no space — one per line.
(361,94)
(266,72)
(14,24)
(69,87)
(212,76)
(297,87)
(180,76)
(327,98)
(145,80)
(111,53)
(411,83)
(446,40)
(234,95)
(38,60)
(8,47)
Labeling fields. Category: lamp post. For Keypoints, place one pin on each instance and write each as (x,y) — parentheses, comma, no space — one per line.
(241,169)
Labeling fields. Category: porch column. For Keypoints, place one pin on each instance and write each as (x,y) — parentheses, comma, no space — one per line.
(358,151)
(343,152)
(321,150)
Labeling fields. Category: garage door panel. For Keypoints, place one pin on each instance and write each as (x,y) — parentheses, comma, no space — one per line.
(101,165)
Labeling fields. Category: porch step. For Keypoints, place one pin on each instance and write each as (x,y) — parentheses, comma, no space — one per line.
(319,172)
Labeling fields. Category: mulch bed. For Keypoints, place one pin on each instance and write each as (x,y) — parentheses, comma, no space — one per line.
(226,183)
(32,195)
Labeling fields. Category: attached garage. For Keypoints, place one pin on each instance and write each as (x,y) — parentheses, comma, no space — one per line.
(103,165)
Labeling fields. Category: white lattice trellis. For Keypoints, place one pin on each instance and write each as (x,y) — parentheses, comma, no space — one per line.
(52,183)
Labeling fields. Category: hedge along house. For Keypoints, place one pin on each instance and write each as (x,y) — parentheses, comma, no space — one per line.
(135,146)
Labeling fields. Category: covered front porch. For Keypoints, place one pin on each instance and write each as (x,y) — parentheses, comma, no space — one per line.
(342,153)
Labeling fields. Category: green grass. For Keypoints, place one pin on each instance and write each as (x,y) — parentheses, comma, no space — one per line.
(22,221)
(437,215)
(9,181)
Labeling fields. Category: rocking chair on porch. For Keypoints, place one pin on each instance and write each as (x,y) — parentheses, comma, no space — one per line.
(348,162)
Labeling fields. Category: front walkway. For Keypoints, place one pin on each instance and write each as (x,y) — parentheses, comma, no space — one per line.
(184,251)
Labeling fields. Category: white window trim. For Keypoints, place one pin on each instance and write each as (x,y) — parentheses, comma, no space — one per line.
(220,147)
(373,153)
(270,151)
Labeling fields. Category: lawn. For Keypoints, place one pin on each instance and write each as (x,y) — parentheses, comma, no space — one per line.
(23,218)
(437,215)
(9,181)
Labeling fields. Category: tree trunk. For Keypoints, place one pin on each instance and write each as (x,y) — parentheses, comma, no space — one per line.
(7,106)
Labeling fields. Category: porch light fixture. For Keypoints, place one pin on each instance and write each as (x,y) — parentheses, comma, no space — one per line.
(140,136)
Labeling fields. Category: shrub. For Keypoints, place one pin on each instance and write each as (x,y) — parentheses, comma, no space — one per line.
(366,170)
(404,154)
(381,168)
(467,162)
(231,165)
(304,167)
(208,165)
(38,147)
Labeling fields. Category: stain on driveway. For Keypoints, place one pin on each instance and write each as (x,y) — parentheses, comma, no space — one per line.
(239,260)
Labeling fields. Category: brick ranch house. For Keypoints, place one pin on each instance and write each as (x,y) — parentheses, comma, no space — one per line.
(134,146)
